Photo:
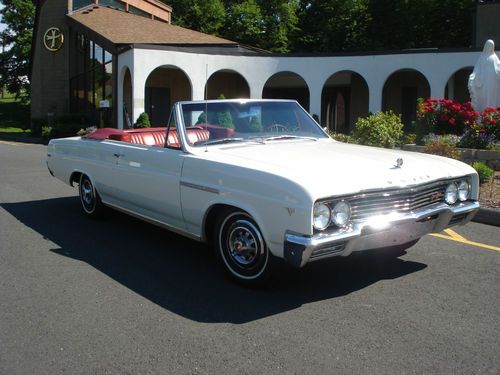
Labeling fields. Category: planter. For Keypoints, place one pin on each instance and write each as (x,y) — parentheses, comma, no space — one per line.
(469,155)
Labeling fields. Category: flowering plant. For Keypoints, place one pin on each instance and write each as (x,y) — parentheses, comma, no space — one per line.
(445,116)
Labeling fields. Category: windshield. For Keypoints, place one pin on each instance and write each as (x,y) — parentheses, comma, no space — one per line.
(253,121)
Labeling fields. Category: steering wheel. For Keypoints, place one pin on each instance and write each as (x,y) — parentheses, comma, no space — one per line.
(276,128)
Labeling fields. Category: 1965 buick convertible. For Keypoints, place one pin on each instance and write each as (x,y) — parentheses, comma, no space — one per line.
(260,180)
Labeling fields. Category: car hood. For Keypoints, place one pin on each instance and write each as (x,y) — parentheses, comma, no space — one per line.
(327,168)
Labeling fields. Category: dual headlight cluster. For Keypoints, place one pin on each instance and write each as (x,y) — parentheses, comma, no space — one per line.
(323,215)
(457,191)
(340,214)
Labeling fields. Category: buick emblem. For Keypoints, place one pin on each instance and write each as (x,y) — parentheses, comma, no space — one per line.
(399,162)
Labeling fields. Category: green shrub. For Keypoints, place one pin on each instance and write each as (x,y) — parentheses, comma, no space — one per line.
(340,137)
(485,173)
(408,139)
(383,129)
(143,121)
(47,132)
(442,147)
(86,131)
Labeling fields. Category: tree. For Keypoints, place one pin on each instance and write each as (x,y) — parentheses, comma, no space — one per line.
(18,16)
(206,16)
(367,25)
(244,22)
(333,25)
(400,24)
(280,20)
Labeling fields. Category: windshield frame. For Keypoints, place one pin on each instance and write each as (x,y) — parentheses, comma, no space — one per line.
(181,125)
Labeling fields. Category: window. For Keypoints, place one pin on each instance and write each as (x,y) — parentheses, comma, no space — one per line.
(77,4)
(92,79)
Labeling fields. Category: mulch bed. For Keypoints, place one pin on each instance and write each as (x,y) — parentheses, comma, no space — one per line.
(489,193)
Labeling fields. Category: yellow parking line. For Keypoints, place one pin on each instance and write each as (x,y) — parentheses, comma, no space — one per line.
(454,235)
(458,238)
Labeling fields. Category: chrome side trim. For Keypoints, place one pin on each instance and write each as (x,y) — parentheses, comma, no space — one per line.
(154,221)
(200,187)
(381,231)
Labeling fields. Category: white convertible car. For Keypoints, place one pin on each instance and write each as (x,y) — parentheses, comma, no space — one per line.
(260,180)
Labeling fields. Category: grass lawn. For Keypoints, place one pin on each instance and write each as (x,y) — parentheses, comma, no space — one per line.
(14,116)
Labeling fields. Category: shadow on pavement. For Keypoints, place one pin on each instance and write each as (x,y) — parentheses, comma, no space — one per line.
(182,276)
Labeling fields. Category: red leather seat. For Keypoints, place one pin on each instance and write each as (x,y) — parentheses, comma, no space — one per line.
(197,134)
(156,136)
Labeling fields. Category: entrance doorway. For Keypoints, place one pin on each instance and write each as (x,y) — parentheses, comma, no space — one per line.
(158,105)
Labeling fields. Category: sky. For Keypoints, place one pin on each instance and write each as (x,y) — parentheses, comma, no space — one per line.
(2,26)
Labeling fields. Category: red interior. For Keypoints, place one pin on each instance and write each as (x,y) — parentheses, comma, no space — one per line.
(150,136)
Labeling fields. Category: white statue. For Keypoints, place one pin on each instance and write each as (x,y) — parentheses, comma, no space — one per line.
(484,82)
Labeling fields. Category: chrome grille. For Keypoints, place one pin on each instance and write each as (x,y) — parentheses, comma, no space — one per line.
(402,200)
(399,201)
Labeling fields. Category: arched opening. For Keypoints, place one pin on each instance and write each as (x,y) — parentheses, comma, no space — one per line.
(287,85)
(127,99)
(165,86)
(229,84)
(344,99)
(456,87)
(400,94)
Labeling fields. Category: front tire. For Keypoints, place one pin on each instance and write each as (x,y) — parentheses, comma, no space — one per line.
(241,248)
(89,198)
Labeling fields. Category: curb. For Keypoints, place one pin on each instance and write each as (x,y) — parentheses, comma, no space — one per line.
(487,216)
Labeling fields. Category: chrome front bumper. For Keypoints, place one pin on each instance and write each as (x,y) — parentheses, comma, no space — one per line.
(377,232)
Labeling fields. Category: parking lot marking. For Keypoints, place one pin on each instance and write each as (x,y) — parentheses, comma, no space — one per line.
(454,236)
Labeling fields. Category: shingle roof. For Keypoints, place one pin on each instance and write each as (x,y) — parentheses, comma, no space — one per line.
(120,27)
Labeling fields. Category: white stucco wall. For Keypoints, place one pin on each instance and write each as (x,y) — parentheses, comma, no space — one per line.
(375,69)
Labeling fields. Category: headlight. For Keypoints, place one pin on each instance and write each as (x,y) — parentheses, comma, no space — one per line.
(451,194)
(463,191)
(341,213)
(321,216)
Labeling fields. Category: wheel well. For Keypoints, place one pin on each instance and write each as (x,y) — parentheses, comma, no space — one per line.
(211,218)
(75,177)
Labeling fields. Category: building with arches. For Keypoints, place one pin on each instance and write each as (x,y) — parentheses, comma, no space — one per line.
(114,59)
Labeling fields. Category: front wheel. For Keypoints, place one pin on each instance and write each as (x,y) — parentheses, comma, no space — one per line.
(89,198)
(241,248)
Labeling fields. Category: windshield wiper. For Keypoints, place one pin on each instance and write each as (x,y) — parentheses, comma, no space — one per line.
(288,136)
(220,141)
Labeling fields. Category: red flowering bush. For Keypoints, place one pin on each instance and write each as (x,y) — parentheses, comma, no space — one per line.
(490,122)
(445,116)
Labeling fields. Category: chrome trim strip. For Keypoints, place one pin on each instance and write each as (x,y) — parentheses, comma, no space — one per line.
(200,187)
(426,220)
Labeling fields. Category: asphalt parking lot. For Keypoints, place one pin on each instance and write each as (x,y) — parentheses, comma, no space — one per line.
(124,297)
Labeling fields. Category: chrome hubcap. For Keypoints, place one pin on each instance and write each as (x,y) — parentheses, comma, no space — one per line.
(243,246)
(87,193)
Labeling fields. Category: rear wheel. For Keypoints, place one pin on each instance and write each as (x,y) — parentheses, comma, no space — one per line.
(89,198)
(241,248)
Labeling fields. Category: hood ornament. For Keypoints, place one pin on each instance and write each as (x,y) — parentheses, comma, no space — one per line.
(399,163)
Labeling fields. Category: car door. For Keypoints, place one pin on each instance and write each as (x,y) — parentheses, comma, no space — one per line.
(146,182)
